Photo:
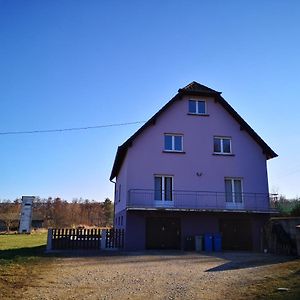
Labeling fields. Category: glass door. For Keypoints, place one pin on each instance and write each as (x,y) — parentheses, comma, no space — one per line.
(233,192)
(163,190)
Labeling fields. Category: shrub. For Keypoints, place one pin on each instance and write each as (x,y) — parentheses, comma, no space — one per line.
(296,209)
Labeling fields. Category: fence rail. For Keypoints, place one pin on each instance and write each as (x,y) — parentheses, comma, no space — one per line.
(85,239)
(178,199)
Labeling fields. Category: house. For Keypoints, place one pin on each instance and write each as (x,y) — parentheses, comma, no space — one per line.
(195,167)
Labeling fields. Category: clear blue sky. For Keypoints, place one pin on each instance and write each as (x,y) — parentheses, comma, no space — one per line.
(78,63)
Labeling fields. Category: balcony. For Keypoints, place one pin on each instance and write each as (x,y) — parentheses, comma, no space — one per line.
(200,201)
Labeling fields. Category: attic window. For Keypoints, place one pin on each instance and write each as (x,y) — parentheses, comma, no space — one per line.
(197,107)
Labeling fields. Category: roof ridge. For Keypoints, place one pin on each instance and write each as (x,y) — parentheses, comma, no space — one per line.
(195,86)
(190,84)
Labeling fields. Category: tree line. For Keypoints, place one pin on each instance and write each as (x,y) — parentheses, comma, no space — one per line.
(59,213)
(287,207)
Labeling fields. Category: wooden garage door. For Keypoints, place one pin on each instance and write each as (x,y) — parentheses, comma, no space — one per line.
(162,233)
(236,234)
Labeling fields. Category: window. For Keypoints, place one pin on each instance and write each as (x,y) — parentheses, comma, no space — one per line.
(121,220)
(233,190)
(197,107)
(222,145)
(173,142)
(163,188)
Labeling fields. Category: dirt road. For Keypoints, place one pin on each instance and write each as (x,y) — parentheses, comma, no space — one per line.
(160,276)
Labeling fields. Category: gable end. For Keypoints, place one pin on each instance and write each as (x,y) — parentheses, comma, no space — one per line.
(192,89)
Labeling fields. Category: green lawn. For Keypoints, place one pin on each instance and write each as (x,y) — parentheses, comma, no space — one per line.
(17,241)
(21,246)
(21,260)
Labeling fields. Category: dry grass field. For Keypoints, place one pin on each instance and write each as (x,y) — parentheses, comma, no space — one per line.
(27,273)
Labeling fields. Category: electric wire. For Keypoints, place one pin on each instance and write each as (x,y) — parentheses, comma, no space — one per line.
(69,129)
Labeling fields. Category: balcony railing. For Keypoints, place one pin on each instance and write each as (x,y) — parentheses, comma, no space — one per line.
(200,200)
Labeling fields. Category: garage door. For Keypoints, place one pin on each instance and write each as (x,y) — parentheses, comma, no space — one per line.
(236,234)
(163,233)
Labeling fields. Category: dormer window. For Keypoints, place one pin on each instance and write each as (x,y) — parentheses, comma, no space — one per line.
(173,142)
(197,107)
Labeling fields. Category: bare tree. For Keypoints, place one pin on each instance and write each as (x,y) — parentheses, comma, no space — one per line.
(9,213)
(56,212)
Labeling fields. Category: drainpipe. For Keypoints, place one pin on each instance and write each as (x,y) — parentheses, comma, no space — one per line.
(114,201)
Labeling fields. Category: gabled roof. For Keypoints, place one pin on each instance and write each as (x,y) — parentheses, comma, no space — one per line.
(196,89)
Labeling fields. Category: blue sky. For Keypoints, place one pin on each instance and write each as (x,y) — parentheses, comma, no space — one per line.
(83,63)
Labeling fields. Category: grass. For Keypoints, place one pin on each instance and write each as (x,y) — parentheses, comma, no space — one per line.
(21,260)
(284,275)
(22,246)
(15,241)
(12,245)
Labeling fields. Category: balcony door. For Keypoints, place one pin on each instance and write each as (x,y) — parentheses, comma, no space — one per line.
(163,190)
(234,193)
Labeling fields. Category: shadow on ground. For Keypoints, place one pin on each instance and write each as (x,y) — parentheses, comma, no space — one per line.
(225,260)
(250,260)
(9,254)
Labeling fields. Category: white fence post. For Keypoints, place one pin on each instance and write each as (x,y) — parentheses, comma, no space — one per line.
(103,238)
(49,240)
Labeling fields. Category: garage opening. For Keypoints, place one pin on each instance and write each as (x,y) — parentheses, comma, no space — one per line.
(236,234)
(163,233)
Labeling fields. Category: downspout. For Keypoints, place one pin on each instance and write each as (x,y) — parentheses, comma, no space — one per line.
(114,201)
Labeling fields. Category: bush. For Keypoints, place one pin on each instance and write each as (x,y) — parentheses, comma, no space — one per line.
(287,207)
(296,209)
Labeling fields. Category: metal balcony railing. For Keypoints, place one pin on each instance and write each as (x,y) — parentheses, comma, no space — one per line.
(202,200)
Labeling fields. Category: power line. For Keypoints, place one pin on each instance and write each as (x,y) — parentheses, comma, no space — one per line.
(70,129)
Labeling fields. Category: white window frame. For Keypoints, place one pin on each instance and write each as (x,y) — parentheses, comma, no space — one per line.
(163,201)
(173,142)
(222,138)
(197,107)
(234,203)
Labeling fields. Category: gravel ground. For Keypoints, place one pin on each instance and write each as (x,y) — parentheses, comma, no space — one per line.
(153,275)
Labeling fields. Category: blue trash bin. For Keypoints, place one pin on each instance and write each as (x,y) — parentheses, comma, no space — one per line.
(217,242)
(208,242)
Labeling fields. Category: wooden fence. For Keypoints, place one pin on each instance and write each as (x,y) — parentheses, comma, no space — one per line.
(114,238)
(87,239)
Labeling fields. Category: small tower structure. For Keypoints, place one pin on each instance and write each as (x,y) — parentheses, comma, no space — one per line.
(26,214)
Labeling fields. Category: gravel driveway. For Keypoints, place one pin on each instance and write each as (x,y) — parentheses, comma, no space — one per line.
(153,275)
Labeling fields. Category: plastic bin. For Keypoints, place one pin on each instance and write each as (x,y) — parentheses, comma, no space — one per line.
(217,242)
(208,242)
(189,243)
(199,243)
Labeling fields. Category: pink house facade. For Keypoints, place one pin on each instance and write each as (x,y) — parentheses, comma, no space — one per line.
(195,167)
